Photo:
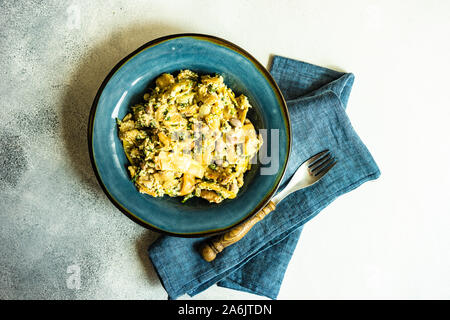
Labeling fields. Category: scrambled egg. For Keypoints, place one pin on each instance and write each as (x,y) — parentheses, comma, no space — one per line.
(190,137)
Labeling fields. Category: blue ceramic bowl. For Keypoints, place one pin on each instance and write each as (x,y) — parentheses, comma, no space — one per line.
(125,86)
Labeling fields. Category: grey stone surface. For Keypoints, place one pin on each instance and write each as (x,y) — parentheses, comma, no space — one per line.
(54,56)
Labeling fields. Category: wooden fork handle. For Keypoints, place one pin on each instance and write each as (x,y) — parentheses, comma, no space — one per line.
(211,248)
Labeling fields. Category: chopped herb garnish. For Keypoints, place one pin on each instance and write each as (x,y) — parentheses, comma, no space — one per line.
(187,197)
(165,115)
(138,108)
(135,177)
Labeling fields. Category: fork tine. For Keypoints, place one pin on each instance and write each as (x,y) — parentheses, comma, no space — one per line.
(323,171)
(314,159)
(322,163)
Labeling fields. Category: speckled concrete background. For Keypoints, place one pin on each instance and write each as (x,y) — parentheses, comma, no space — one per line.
(54,56)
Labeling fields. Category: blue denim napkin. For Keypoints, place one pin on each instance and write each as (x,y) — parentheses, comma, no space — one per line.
(316,99)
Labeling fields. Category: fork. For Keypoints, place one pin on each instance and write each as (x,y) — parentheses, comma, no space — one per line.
(309,172)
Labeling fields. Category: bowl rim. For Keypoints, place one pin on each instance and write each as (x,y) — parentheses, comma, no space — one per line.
(218,41)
